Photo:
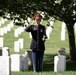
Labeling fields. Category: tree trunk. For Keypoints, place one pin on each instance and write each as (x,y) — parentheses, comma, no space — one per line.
(71,37)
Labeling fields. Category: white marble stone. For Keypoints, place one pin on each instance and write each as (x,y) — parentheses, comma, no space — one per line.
(6,19)
(52,21)
(1,31)
(19,30)
(30,35)
(5,65)
(16,33)
(19,62)
(5,30)
(26,23)
(1,41)
(8,27)
(75,28)
(8,15)
(21,43)
(48,31)
(5,51)
(42,14)
(16,46)
(2,21)
(22,29)
(24,62)
(15,62)
(59,63)
(63,30)
(29,19)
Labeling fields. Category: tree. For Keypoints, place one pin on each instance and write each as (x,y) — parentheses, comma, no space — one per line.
(63,10)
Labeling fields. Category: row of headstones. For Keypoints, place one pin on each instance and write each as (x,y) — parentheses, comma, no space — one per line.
(63,30)
(50,27)
(6,29)
(17,62)
(19,44)
(14,62)
(2,21)
(21,29)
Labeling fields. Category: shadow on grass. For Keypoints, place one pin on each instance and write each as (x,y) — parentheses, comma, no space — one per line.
(48,64)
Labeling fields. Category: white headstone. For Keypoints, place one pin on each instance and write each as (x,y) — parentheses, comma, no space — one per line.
(1,31)
(5,19)
(29,19)
(24,62)
(2,21)
(19,30)
(8,15)
(8,27)
(30,35)
(26,23)
(16,20)
(48,31)
(16,46)
(75,27)
(42,14)
(5,51)
(11,24)
(59,63)
(1,41)
(15,62)
(21,43)
(22,29)
(5,67)
(52,21)
(63,31)
(5,30)
(19,62)
(16,33)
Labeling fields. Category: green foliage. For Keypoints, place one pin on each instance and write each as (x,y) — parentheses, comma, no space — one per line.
(60,9)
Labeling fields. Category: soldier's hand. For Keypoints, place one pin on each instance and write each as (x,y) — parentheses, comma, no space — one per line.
(33,23)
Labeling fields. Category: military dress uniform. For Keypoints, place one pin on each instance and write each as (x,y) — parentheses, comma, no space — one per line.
(37,45)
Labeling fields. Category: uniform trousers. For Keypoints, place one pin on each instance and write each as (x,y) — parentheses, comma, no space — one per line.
(37,57)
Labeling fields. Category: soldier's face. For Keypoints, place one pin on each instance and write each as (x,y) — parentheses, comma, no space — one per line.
(38,20)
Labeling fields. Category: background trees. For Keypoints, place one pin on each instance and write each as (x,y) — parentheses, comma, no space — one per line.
(63,10)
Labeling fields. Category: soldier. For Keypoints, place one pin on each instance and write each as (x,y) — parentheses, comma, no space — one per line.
(38,32)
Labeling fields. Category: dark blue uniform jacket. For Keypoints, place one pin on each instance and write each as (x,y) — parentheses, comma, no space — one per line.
(38,33)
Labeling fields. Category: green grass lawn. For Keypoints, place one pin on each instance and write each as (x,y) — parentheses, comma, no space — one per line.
(52,46)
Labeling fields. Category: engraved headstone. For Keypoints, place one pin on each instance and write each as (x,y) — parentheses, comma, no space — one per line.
(63,31)
(1,31)
(1,41)
(5,30)
(21,43)
(8,27)
(48,31)
(16,33)
(21,60)
(15,62)
(5,67)
(24,62)
(30,35)
(59,63)
(5,51)
(16,46)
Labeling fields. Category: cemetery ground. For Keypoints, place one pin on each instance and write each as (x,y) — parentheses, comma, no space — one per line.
(52,46)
